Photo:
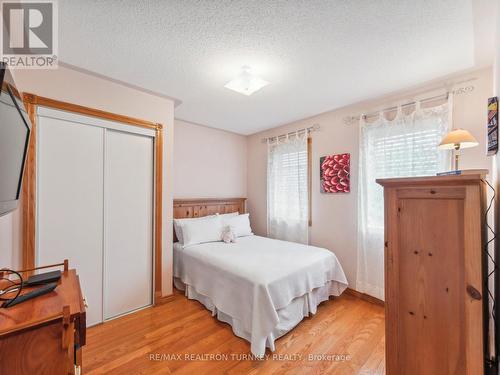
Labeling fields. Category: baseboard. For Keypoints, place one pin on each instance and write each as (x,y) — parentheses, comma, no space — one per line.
(364,297)
(160,300)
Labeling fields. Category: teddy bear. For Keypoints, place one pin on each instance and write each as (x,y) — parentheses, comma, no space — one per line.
(228,234)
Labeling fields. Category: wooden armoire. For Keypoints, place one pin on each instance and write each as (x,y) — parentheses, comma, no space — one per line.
(434,238)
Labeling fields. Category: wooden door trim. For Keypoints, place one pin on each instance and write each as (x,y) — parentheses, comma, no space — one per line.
(31,102)
(309,179)
(75,108)
(158,212)
(28,194)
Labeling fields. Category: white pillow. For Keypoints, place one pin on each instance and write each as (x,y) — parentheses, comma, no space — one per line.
(201,231)
(178,225)
(240,225)
(225,217)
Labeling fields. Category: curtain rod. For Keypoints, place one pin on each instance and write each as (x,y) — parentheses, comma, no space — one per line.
(393,108)
(310,129)
(462,90)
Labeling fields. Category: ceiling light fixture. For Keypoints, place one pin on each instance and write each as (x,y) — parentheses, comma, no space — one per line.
(246,83)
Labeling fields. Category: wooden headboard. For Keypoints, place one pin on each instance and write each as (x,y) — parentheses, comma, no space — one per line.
(190,208)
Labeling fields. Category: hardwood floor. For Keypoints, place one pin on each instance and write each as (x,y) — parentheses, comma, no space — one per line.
(157,341)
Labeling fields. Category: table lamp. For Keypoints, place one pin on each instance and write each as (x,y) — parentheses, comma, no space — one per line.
(456,140)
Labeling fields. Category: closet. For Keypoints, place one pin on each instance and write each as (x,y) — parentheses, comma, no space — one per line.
(95,197)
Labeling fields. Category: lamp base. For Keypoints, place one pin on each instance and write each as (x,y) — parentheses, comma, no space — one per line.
(463,171)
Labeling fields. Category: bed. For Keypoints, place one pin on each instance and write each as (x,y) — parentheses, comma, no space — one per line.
(262,287)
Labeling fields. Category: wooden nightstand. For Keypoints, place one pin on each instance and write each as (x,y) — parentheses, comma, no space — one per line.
(45,335)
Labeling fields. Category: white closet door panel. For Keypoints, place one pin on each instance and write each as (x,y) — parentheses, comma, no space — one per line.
(128,222)
(70,203)
(92,121)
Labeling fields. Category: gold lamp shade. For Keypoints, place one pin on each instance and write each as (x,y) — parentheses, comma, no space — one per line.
(457,139)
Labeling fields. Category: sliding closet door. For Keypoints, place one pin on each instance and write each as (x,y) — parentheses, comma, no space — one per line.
(128,222)
(70,203)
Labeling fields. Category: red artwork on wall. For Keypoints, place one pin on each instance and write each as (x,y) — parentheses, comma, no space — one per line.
(335,172)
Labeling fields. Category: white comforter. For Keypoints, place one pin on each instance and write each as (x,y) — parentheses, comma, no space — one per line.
(251,279)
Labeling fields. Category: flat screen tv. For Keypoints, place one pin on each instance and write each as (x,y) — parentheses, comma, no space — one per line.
(14,137)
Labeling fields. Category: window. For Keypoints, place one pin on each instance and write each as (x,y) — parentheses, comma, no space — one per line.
(288,189)
(409,151)
(403,147)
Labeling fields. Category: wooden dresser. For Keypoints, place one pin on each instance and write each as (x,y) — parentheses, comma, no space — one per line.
(45,335)
(434,236)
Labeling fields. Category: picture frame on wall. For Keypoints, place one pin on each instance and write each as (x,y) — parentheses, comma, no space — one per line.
(335,173)
(492,126)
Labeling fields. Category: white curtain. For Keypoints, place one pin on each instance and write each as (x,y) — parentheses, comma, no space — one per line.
(287,198)
(402,147)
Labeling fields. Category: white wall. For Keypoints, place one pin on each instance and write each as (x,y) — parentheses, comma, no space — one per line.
(77,87)
(496,67)
(209,163)
(334,217)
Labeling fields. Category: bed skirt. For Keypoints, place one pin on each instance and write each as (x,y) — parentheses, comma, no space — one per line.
(289,316)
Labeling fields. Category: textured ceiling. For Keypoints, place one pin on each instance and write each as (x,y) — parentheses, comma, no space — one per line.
(317,55)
